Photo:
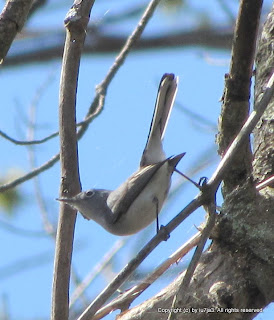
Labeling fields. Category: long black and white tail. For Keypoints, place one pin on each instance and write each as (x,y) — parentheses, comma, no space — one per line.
(153,151)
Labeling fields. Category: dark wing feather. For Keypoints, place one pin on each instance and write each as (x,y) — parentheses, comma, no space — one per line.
(131,189)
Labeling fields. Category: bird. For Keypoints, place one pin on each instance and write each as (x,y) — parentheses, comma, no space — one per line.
(137,202)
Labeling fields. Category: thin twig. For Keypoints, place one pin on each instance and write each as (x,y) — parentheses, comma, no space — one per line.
(30,142)
(38,93)
(43,140)
(32,158)
(131,294)
(30,174)
(12,269)
(21,232)
(126,13)
(83,298)
(197,117)
(265,183)
(100,41)
(96,270)
(227,11)
(181,295)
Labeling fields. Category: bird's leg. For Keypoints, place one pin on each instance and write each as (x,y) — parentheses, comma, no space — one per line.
(199,185)
(156,201)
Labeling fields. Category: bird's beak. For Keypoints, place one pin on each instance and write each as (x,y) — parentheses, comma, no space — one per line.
(66,200)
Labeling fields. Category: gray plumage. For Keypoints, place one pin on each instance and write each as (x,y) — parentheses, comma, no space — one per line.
(137,202)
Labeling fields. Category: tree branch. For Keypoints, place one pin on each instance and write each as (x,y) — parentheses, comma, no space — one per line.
(263,133)
(31,142)
(96,271)
(12,20)
(130,295)
(235,106)
(30,174)
(181,296)
(99,42)
(76,23)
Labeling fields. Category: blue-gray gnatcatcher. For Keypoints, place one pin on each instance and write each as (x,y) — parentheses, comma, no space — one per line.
(137,202)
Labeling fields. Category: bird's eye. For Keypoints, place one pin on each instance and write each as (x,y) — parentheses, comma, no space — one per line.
(89,193)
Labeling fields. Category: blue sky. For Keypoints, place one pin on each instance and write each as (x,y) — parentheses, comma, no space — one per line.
(108,153)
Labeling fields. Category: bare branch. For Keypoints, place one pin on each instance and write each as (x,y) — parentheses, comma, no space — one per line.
(235,106)
(99,42)
(130,295)
(30,174)
(26,143)
(37,4)
(22,232)
(32,158)
(181,296)
(266,183)
(96,270)
(25,263)
(223,4)
(39,92)
(12,20)
(76,23)
(43,140)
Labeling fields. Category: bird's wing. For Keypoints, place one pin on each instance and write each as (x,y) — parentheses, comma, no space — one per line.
(121,199)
